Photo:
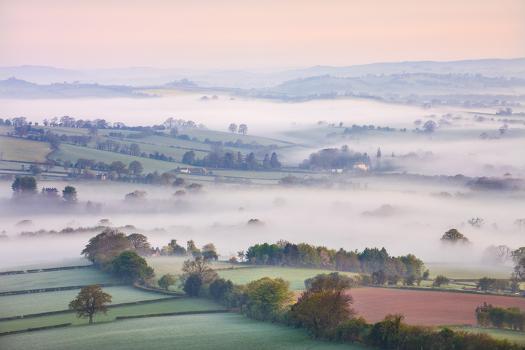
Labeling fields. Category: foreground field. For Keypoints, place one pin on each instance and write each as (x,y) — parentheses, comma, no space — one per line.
(23,304)
(162,306)
(432,308)
(216,331)
(296,276)
(51,279)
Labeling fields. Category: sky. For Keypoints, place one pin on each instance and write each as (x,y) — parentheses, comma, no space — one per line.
(232,34)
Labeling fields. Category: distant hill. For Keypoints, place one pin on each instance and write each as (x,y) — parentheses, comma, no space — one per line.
(16,88)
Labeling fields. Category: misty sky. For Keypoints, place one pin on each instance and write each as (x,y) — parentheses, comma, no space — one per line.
(255,34)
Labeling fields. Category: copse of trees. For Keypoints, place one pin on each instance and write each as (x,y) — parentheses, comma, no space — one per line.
(231,160)
(131,267)
(335,158)
(377,262)
(454,236)
(24,185)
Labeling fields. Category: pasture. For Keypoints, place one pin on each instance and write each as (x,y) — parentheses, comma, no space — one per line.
(23,150)
(162,306)
(213,331)
(23,304)
(512,336)
(466,271)
(296,276)
(52,279)
(429,308)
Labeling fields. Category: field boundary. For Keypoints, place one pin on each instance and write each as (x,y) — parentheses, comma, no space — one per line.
(58,312)
(180,313)
(49,269)
(55,289)
(61,325)
(442,290)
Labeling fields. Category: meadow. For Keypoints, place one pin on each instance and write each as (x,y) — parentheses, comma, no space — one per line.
(512,336)
(162,306)
(23,150)
(51,279)
(217,331)
(24,304)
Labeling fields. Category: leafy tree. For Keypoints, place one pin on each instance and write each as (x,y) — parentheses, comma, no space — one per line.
(135,167)
(274,161)
(167,280)
(192,284)
(131,267)
(325,304)
(175,249)
(188,157)
(192,249)
(118,167)
(387,333)
(243,129)
(220,288)
(70,194)
(200,267)
(24,185)
(105,246)
(140,243)
(232,127)
(267,297)
(209,252)
(440,280)
(429,126)
(454,236)
(89,301)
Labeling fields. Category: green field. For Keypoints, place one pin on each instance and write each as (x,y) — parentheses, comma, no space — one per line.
(295,276)
(23,304)
(48,264)
(23,150)
(468,271)
(51,279)
(513,336)
(213,331)
(163,306)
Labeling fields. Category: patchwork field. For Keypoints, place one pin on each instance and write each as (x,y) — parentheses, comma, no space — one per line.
(295,276)
(216,331)
(23,304)
(162,306)
(23,150)
(51,279)
(432,308)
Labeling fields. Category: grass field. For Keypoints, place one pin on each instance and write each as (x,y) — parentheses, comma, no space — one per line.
(23,304)
(48,264)
(215,331)
(23,150)
(163,306)
(513,336)
(468,271)
(73,153)
(62,278)
(295,276)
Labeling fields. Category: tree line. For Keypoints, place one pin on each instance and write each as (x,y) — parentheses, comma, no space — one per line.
(335,158)
(231,160)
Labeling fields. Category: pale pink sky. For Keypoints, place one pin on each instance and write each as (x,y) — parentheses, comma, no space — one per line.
(251,34)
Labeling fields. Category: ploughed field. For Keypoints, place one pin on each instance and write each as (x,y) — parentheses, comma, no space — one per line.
(429,308)
(211,331)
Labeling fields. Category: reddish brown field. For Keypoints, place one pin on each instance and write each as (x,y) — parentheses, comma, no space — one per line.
(425,308)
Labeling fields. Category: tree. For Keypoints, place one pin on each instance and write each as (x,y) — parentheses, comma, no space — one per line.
(440,280)
(200,267)
(209,252)
(69,194)
(192,285)
(167,280)
(192,249)
(232,127)
(267,298)
(89,301)
(188,157)
(135,167)
(131,267)
(243,129)
(105,246)
(274,161)
(24,185)
(140,243)
(118,167)
(220,288)
(429,126)
(454,236)
(325,304)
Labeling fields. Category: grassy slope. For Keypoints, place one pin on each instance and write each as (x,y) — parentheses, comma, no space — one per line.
(52,279)
(218,331)
(23,150)
(22,304)
(468,272)
(295,276)
(163,306)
